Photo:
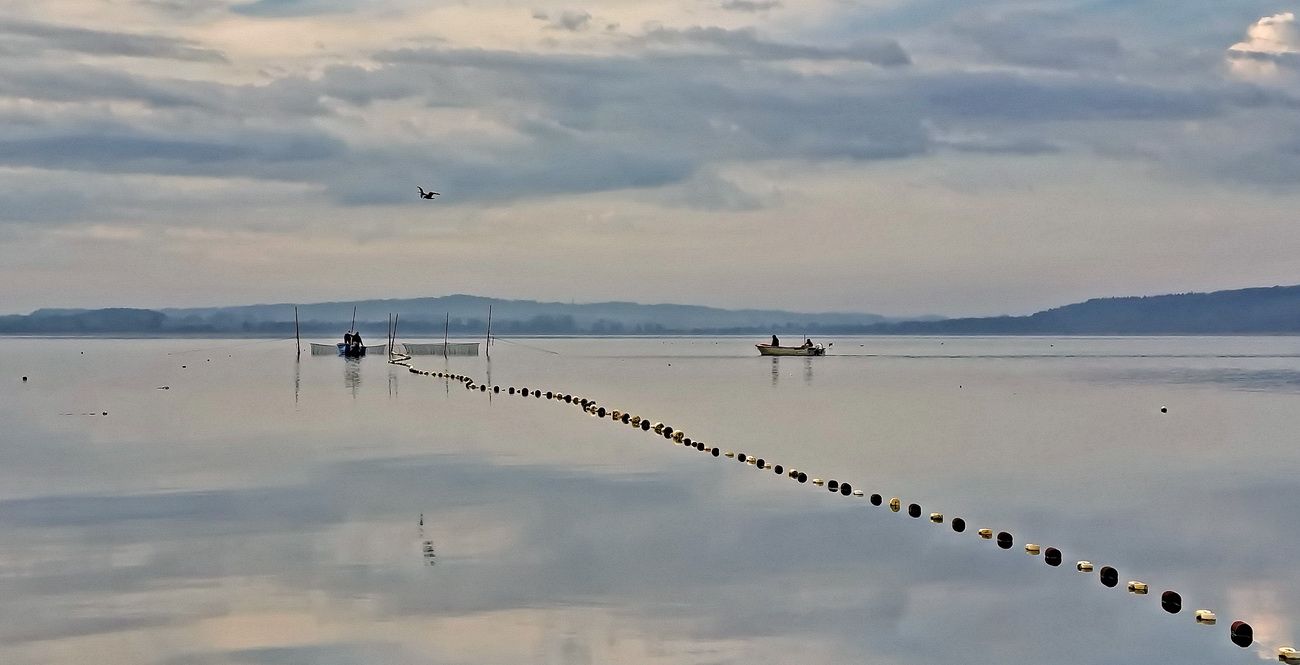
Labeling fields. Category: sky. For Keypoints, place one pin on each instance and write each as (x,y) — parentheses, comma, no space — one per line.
(900,157)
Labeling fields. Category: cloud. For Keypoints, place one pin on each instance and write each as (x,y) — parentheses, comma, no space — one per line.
(745,41)
(572,20)
(293,8)
(39,37)
(751,6)
(1271,42)
(1033,39)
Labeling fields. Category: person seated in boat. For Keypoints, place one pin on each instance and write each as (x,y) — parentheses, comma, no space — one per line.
(775,341)
(807,343)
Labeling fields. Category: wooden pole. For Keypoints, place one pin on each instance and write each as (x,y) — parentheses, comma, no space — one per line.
(446,330)
(487,343)
(393,341)
(297,338)
(354,319)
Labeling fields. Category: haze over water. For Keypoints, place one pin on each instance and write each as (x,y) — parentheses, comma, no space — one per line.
(263,510)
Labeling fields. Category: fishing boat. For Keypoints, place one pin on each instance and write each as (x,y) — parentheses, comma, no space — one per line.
(771,350)
(346,350)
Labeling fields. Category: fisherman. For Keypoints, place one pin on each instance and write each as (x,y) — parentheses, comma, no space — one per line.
(775,341)
(807,343)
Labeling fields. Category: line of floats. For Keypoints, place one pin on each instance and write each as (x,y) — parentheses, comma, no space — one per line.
(1239,632)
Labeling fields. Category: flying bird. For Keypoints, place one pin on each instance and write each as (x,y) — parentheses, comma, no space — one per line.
(426,195)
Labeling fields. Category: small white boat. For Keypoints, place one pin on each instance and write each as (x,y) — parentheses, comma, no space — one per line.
(769,350)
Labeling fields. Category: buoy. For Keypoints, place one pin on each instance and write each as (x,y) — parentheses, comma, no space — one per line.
(549,394)
(583,401)
(876,499)
(625,418)
(845,489)
(857,492)
(105,413)
(986,534)
(483,388)
(496,389)
(658,428)
(762,463)
(1031,549)
(1109,576)
(1164,409)
(668,431)
(729,454)
(1171,602)
(24,378)
(895,505)
(914,510)
(753,461)
(699,445)
(937,518)
(568,398)
(778,470)
(524,391)
(1004,540)
(716,451)
(1288,655)
(1084,566)
(740,457)
(600,411)
(1138,588)
(1052,556)
(645,425)
(803,477)
(1205,617)
(615,414)
(958,524)
(686,441)
(833,485)
(818,482)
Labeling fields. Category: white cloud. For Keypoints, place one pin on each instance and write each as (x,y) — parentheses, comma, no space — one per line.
(1272,42)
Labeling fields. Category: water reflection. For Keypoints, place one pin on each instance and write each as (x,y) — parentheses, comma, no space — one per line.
(352,374)
(159,534)
(807,369)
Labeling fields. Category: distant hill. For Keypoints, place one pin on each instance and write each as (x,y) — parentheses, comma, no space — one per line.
(1254,311)
(428,316)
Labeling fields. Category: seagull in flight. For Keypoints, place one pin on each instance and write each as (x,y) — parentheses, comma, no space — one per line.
(426,195)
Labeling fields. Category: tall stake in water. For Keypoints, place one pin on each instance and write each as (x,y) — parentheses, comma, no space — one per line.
(487,344)
(297,338)
(446,329)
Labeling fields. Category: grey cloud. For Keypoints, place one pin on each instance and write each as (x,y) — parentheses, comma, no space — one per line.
(572,20)
(1039,40)
(885,52)
(750,6)
(291,8)
(708,191)
(1013,97)
(129,151)
(99,42)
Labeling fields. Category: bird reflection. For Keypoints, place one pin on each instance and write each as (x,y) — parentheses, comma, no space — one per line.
(426,546)
(352,374)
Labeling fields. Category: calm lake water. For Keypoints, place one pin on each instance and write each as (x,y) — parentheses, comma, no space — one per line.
(263,510)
